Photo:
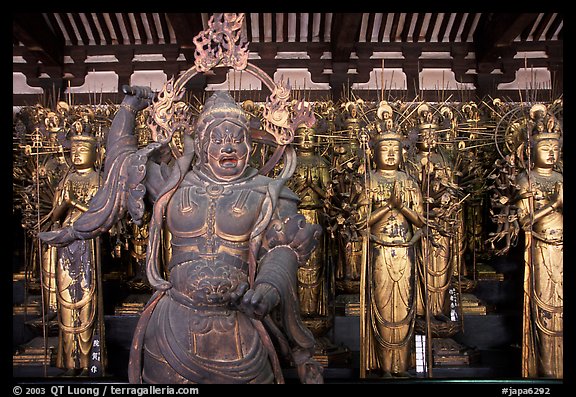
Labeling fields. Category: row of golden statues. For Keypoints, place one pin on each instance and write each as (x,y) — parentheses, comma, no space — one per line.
(250,219)
(349,180)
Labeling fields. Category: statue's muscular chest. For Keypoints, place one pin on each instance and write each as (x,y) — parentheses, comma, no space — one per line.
(213,210)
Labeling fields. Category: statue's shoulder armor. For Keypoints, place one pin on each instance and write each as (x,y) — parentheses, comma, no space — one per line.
(260,184)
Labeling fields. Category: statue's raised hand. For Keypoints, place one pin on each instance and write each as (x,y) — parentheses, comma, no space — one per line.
(395,200)
(137,97)
(558,197)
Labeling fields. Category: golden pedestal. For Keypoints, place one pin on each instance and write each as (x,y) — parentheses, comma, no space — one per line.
(20,276)
(325,352)
(487,272)
(449,353)
(32,308)
(32,284)
(132,305)
(330,355)
(472,305)
(346,287)
(36,352)
(465,284)
(348,305)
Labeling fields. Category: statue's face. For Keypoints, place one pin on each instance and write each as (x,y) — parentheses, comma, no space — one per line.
(83,154)
(387,154)
(546,153)
(305,138)
(228,150)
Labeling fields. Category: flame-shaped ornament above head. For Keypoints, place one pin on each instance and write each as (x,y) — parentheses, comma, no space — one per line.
(221,44)
(302,114)
(281,117)
(276,112)
(167,113)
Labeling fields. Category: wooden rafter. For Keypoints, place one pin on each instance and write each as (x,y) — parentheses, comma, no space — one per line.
(497,31)
(186,26)
(344,34)
(94,29)
(32,30)
(491,38)
(126,20)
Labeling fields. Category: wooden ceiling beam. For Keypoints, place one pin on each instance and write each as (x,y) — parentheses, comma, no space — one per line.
(344,33)
(67,27)
(94,29)
(541,26)
(186,26)
(467,27)
(310,26)
(104,27)
(32,30)
(554,26)
(418,27)
(152,26)
(131,39)
(443,27)
(497,31)
(455,27)
(322,30)
(164,28)
(81,29)
(394,34)
(382,27)
(406,28)
(431,25)
(369,27)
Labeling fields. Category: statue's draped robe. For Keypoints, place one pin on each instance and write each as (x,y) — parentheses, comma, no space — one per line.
(391,279)
(543,342)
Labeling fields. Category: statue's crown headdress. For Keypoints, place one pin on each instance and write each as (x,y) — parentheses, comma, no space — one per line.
(81,127)
(387,128)
(543,124)
(426,118)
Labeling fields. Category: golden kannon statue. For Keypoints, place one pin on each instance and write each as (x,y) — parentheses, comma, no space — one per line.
(541,216)
(391,210)
(76,269)
(432,169)
(347,176)
(54,169)
(138,243)
(310,182)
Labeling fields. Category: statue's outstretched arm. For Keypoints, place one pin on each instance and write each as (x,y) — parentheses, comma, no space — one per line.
(124,172)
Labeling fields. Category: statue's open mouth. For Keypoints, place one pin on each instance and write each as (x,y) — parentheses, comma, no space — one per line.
(228,162)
